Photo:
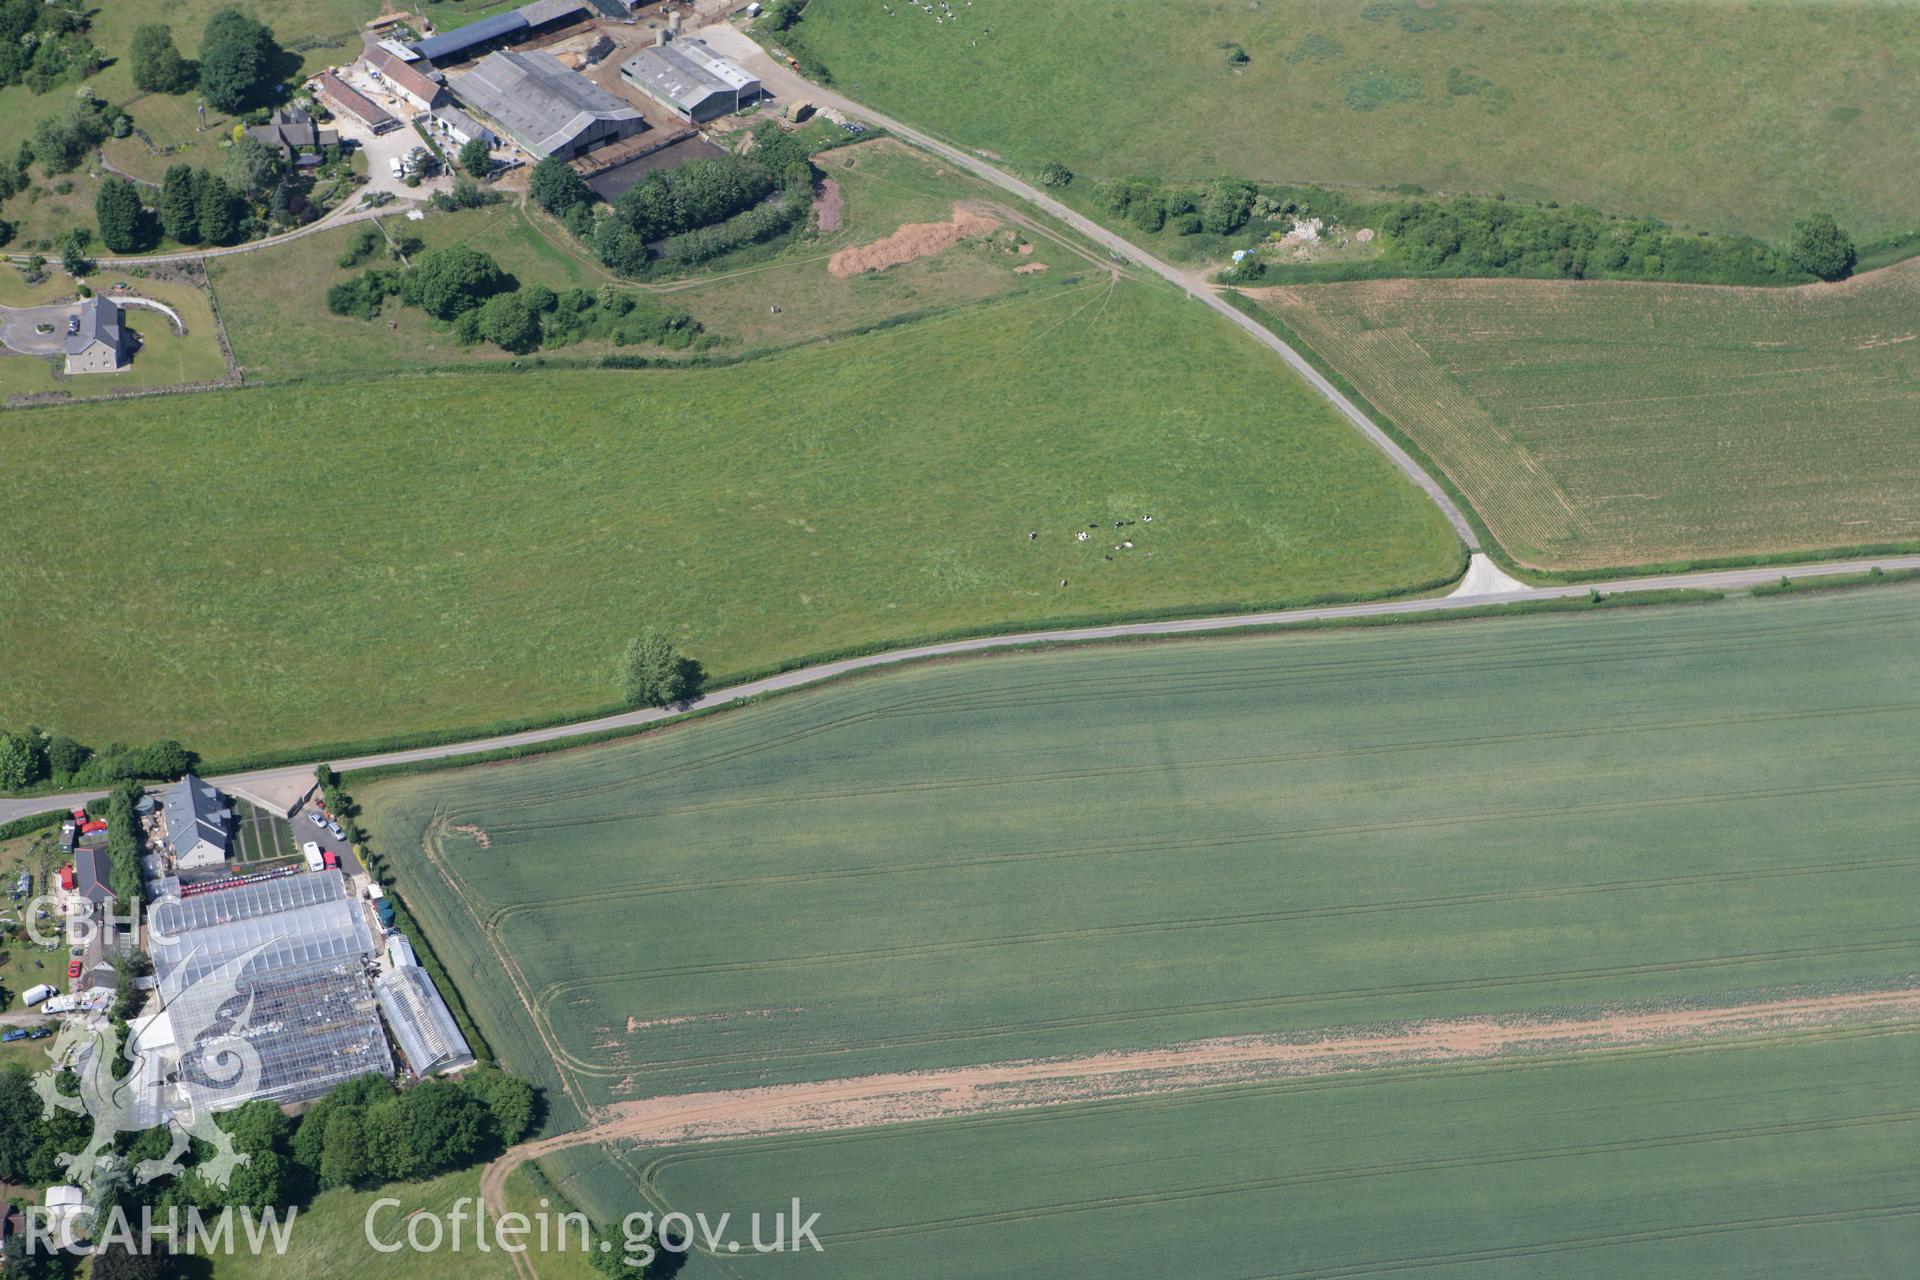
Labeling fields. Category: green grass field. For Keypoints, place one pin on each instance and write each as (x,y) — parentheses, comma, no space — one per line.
(333,561)
(1072,852)
(275,299)
(1784,1160)
(1607,424)
(1726,115)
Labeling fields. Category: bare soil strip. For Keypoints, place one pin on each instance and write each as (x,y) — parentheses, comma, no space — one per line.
(911,242)
(1008,1086)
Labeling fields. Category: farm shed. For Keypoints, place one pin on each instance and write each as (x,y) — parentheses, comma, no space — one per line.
(296,949)
(344,100)
(469,41)
(544,107)
(690,78)
(456,124)
(197,820)
(408,81)
(101,344)
(423,1026)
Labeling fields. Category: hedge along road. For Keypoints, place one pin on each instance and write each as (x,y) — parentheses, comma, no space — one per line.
(1712,580)
(731,42)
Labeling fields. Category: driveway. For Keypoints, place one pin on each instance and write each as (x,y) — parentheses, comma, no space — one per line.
(17,332)
(382,149)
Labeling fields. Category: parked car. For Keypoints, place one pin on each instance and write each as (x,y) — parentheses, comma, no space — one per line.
(317,820)
(338,834)
(399,170)
(40,1032)
(18,1033)
(73,969)
(330,859)
(853,126)
(73,325)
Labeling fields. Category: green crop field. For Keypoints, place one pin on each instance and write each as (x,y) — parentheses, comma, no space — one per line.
(1606,424)
(1726,115)
(1073,852)
(1785,1159)
(326,561)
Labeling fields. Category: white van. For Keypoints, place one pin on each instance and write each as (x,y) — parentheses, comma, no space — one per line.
(399,170)
(37,995)
(312,850)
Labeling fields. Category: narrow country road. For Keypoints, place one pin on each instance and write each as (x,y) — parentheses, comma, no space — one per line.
(790,86)
(1709,579)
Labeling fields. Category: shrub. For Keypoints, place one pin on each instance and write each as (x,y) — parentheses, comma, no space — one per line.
(556,187)
(448,282)
(1055,174)
(509,323)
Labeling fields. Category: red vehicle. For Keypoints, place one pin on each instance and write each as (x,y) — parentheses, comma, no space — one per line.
(73,969)
(329,859)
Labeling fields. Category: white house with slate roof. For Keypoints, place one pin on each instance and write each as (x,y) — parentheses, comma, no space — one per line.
(197,817)
(101,344)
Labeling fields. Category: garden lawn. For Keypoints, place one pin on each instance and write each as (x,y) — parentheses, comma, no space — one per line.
(164,359)
(326,562)
(1120,847)
(1726,115)
(1605,424)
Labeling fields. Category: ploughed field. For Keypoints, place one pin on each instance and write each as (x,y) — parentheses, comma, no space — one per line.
(1320,837)
(1607,424)
(328,562)
(1628,107)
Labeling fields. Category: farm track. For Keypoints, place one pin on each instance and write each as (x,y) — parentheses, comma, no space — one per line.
(991,1089)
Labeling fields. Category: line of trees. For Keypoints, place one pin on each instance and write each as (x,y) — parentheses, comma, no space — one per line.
(36,756)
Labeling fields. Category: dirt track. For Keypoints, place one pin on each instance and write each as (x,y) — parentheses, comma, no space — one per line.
(1008,1086)
(911,242)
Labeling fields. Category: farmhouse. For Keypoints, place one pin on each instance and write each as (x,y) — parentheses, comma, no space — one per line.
(197,818)
(690,78)
(500,29)
(410,83)
(344,100)
(91,872)
(101,344)
(544,107)
(296,138)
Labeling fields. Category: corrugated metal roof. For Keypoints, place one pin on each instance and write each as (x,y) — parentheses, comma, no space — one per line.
(542,104)
(450,44)
(687,74)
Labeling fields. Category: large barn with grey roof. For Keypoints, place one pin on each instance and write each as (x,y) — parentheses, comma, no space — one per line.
(540,104)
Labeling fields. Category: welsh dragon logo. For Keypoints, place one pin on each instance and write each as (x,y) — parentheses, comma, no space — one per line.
(179,1075)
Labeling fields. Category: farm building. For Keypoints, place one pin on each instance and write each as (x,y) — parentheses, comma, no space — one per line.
(544,107)
(343,99)
(500,29)
(410,82)
(423,1027)
(92,870)
(295,136)
(101,344)
(197,818)
(456,124)
(296,949)
(691,78)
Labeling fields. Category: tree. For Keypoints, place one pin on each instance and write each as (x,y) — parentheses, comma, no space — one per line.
(216,209)
(556,187)
(446,282)
(1055,174)
(19,1122)
(477,158)
(238,58)
(121,215)
(116,1260)
(433,1127)
(343,1150)
(64,755)
(1819,247)
(251,167)
(509,323)
(179,212)
(1226,206)
(509,1099)
(652,671)
(73,253)
(61,142)
(157,64)
(16,763)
